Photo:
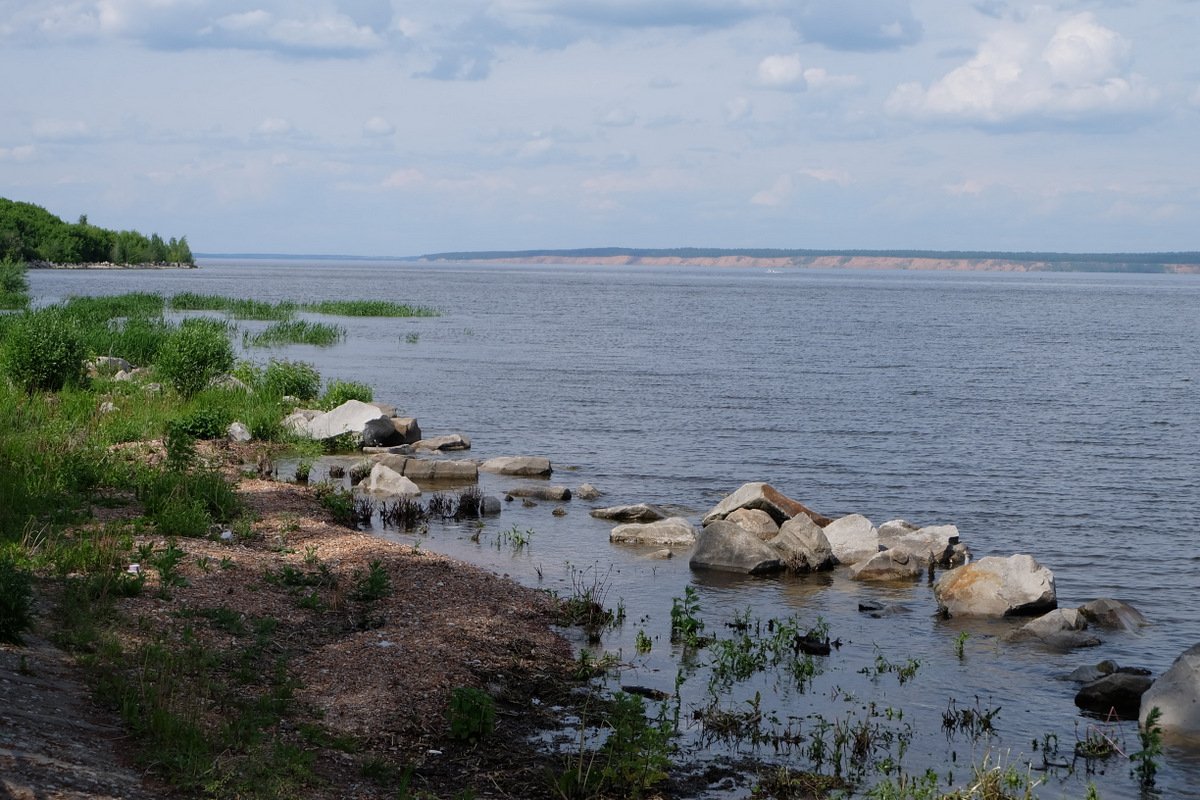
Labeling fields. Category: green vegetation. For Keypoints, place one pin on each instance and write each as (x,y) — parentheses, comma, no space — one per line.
(338,392)
(31,233)
(472,714)
(193,355)
(44,350)
(16,598)
(295,332)
(369,308)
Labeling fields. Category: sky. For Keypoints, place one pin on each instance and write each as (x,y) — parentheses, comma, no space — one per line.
(387,127)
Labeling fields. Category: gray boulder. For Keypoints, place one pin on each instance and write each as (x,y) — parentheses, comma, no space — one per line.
(1060,629)
(237,432)
(934,543)
(107,366)
(1113,615)
(802,545)
(1120,694)
(765,497)
(724,546)
(385,480)
(1092,672)
(379,433)
(757,522)
(518,466)
(297,421)
(853,538)
(452,441)
(642,512)
(1177,695)
(407,429)
(675,531)
(350,417)
(587,492)
(554,493)
(229,383)
(889,565)
(424,470)
(996,587)
(895,529)
(490,506)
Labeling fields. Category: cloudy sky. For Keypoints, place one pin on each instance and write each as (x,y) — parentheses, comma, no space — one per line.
(390,127)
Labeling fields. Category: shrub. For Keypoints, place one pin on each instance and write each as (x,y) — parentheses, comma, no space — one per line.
(204,423)
(295,378)
(44,350)
(338,392)
(14,287)
(16,599)
(193,355)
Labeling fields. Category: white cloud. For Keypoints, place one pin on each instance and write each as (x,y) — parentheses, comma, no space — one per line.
(274,126)
(656,180)
(22,152)
(1026,73)
(776,194)
(782,72)
(377,127)
(968,187)
(620,117)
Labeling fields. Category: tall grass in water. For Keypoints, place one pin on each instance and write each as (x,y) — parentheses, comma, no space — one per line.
(295,332)
(369,308)
(90,310)
(236,307)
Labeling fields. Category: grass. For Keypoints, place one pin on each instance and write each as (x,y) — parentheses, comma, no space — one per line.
(369,308)
(236,307)
(295,332)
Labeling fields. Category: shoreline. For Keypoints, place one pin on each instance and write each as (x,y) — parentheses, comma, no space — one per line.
(107,265)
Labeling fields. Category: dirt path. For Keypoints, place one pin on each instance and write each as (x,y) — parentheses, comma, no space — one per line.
(54,742)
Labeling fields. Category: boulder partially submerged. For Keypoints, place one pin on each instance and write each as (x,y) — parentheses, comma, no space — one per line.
(996,587)
(1061,629)
(518,466)
(675,531)
(1113,614)
(853,538)
(1176,694)
(431,470)
(724,546)
(385,480)
(757,522)
(642,512)
(802,545)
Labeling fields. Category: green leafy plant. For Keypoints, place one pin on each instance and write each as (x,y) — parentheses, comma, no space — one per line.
(295,378)
(193,355)
(686,625)
(295,331)
(374,585)
(472,713)
(44,350)
(1146,760)
(338,392)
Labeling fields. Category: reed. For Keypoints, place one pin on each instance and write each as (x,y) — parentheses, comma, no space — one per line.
(295,332)
(369,308)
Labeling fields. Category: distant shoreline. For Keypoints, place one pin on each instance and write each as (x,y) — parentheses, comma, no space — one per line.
(109,265)
(1172,263)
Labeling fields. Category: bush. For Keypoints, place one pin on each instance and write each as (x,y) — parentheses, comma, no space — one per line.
(204,423)
(14,287)
(193,355)
(294,378)
(16,599)
(472,713)
(338,392)
(44,350)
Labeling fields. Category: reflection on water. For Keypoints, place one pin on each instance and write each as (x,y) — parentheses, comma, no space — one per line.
(1051,414)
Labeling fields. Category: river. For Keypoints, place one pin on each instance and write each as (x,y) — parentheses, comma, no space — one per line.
(1049,413)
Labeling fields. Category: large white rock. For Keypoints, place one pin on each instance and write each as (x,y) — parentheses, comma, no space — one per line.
(996,587)
(853,538)
(764,497)
(432,470)
(802,545)
(724,546)
(757,522)
(1176,693)
(385,480)
(519,466)
(350,417)
(672,531)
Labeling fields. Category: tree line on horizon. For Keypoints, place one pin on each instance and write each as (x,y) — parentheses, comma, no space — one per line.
(30,233)
(1066,261)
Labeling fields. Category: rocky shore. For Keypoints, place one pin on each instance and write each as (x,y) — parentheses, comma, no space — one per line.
(109,265)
